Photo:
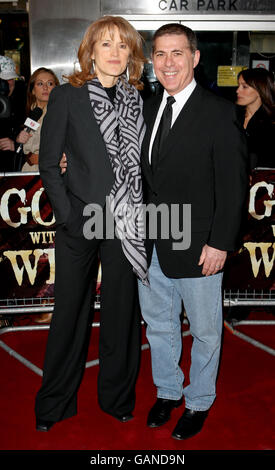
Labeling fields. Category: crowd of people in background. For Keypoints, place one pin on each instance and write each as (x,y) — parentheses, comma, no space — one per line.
(19,149)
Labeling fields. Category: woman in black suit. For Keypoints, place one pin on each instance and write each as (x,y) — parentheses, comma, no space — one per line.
(96,119)
(256,94)
(256,101)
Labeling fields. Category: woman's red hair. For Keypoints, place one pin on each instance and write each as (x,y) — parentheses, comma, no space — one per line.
(94,33)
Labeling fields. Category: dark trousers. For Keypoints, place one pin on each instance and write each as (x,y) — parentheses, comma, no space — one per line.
(119,342)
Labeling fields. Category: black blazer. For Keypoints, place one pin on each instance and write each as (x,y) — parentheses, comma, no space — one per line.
(70,126)
(203,163)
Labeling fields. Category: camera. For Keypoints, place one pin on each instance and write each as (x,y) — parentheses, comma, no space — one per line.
(4,101)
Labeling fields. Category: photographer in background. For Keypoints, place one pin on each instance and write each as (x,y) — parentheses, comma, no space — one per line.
(12,115)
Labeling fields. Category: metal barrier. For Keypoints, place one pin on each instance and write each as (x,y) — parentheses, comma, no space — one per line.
(33,305)
(260,298)
(231,298)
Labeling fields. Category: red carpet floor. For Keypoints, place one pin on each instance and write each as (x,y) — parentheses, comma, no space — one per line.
(242,417)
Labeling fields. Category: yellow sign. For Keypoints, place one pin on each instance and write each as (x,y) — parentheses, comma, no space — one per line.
(227,74)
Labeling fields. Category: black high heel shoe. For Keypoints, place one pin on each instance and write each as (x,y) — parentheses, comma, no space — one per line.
(44,426)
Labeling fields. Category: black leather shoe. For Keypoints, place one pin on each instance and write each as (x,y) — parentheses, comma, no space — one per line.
(160,413)
(125,418)
(44,426)
(189,424)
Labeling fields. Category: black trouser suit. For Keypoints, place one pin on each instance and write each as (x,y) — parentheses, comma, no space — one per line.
(119,343)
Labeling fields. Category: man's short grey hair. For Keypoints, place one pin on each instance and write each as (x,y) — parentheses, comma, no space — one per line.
(176,28)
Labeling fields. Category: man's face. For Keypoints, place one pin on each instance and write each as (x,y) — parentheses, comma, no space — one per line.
(174,62)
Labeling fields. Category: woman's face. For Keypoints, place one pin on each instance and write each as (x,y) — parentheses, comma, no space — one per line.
(43,85)
(111,57)
(247,95)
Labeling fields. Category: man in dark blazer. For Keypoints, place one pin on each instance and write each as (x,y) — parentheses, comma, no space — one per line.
(201,163)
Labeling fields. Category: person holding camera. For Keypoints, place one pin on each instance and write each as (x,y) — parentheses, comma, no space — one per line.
(12,115)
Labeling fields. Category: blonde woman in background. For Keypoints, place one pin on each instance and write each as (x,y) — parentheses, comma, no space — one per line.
(40,85)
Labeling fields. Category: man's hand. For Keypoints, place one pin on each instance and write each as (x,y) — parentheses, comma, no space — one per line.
(63,164)
(212,260)
(7,144)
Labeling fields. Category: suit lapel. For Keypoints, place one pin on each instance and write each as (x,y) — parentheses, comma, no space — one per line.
(85,107)
(150,117)
(182,124)
(85,103)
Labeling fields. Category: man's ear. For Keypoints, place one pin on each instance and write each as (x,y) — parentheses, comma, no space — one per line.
(196,58)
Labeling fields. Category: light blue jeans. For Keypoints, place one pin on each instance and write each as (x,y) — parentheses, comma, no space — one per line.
(161,306)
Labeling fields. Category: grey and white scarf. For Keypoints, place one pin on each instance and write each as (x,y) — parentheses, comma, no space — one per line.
(122,128)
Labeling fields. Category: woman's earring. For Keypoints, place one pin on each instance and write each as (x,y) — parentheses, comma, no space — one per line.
(93,67)
(127,72)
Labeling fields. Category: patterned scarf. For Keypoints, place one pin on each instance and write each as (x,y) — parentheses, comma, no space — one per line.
(122,128)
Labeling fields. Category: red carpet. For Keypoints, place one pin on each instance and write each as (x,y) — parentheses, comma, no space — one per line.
(242,417)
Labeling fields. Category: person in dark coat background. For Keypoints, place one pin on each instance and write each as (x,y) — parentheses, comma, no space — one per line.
(12,115)
(256,97)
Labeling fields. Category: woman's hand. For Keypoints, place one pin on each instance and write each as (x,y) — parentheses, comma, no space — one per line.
(32,158)
(63,164)
(7,144)
(23,137)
